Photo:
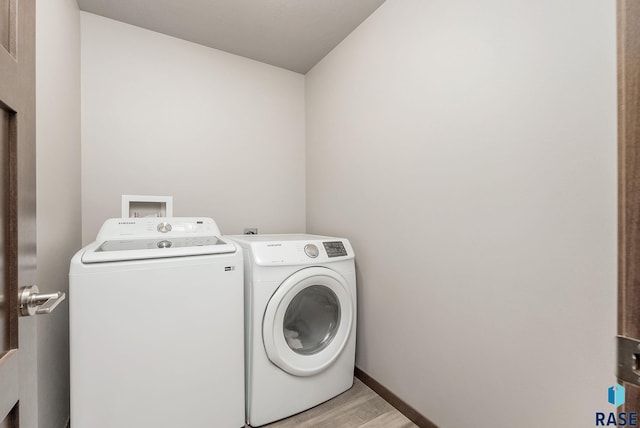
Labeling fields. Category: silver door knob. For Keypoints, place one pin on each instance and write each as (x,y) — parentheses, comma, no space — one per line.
(34,303)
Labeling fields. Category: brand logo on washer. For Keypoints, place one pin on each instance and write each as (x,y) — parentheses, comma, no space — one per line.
(229,268)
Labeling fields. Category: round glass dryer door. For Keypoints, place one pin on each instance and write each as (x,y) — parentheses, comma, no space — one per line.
(311,320)
(308,321)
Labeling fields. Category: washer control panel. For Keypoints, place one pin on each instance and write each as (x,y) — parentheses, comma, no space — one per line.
(160,228)
(335,248)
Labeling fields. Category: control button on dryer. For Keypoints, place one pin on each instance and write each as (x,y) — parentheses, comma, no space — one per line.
(311,251)
(164,227)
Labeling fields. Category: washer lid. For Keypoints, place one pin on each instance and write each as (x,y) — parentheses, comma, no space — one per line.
(121,239)
(140,249)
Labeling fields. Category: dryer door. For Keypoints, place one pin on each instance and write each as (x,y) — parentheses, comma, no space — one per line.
(308,321)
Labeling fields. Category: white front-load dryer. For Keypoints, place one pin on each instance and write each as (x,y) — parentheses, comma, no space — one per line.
(300,326)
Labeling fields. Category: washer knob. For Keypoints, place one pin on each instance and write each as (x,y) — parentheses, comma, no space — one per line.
(164,244)
(164,227)
(311,251)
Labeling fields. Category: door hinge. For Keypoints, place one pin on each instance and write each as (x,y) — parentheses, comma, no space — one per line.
(628,360)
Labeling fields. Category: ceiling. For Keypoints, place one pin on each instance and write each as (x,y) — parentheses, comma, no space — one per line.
(292,34)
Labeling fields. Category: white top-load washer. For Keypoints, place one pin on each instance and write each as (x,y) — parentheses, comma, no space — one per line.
(300,308)
(156,326)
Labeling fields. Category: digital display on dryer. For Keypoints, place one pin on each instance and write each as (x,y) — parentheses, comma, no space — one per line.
(335,249)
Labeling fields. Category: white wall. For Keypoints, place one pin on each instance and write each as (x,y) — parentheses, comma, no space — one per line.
(468,149)
(161,116)
(58,192)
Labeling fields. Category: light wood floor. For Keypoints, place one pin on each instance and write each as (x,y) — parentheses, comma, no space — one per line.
(358,407)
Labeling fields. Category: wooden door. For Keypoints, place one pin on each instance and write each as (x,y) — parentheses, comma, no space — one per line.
(629,197)
(17,211)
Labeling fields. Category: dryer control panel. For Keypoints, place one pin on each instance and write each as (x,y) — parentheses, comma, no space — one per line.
(335,248)
(299,249)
